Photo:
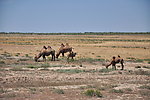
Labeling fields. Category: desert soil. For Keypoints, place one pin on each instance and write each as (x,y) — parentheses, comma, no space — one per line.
(21,78)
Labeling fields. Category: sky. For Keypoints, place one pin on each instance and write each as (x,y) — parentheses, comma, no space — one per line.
(54,16)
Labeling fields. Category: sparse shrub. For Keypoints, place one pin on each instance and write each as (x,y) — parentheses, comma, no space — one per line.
(2,62)
(59,91)
(116,91)
(104,70)
(73,65)
(145,87)
(26,55)
(131,58)
(112,86)
(92,93)
(139,60)
(71,60)
(2,90)
(48,65)
(142,72)
(17,54)
(102,88)
(128,89)
(145,93)
(32,66)
(91,86)
(33,90)
(45,65)
(6,54)
(83,87)
(23,59)
(98,56)
(146,67)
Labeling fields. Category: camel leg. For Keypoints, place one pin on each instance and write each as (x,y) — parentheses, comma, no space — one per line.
(57,55)
(72,57)
(63,54)
(122,64)
(108,65)
(44,58)
(54,57)
(114,66)
(67,58)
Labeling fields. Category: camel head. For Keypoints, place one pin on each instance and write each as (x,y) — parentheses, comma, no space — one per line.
(74,54)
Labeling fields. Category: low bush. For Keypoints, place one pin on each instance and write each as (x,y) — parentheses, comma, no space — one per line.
(32,66)
(145,87)
(92,93)
(59,91)
(146,67)
(2,62)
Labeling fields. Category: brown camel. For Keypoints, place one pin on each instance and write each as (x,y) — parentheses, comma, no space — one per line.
(115,61)
(44,53)
(64,49)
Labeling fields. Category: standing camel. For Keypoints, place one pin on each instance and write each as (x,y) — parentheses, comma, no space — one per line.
(64,49)
(44,53)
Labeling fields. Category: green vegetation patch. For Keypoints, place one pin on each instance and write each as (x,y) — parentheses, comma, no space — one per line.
(2,62)
(145,87)
(59,91)
(93,93)
(33,66)
(148,67)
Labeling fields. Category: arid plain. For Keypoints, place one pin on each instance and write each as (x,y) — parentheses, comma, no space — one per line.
(84,78)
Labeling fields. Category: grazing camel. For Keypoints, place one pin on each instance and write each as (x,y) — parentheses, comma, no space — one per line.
(71,54)
(121,61)
(44,53)
(115,61)
(64,49)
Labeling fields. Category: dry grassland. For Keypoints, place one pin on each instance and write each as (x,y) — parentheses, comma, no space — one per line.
(85,78)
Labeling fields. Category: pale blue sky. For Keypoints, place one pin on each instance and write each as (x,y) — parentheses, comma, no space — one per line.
(74,16)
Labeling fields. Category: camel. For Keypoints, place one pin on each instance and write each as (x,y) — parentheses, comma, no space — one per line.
(115,61)
(64,49)
(44,53)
